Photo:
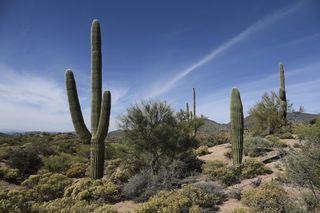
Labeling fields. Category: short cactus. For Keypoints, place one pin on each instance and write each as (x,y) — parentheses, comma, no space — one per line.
(187,112)
(282,97)
(236,116)
(100,107)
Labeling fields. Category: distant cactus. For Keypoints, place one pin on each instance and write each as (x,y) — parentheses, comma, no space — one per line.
(188,112)
(194,112)
(282,96)
(236,116)
(100,107)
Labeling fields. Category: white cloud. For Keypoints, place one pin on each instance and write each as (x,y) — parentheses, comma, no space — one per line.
(29,102)
(225,46)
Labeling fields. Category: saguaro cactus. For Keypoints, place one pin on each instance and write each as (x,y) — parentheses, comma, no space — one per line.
(188,112)
(236,116)
(100,107)
(282,96)
(194,112)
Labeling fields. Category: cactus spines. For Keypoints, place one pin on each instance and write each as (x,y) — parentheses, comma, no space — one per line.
(282,96)
(100,107)
(194,112)
(236,116)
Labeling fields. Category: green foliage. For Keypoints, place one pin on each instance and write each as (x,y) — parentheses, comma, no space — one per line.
(240,210)
(58,163)
(267,198)
(256,146)
(252,168)
(186,199)
(218,171)
(15,201)
(201,150)
(47,186)
(100,190)
(265,115)
(157,134)
(215,139)
(312,203)
(8,174)
(67,205)
(228,154)
(76,170)
(25,160)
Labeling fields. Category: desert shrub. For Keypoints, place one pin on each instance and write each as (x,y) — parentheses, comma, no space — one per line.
(47,186)
(215,139)
(228,154)
(156,133)
(240,210)
(201,150)
(252,168)
(286,135)
(275,142)
(58,163)
(211,188)
(267,198)
(186,199)
(256,146)
(83,151)
(302,165)
(76,170)
(145,184)
(101,190)
(312,203)
(15,201)
(218,171)
(297,145)
(9,174)
(25,160)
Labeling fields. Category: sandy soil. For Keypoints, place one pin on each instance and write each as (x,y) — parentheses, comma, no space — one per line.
(126,206)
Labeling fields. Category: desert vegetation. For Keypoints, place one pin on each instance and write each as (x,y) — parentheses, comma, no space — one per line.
(162,160)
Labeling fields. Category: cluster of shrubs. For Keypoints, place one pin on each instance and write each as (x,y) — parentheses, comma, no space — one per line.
(229,175)
(214,139)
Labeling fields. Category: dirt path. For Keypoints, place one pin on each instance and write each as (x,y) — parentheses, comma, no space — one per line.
(217,153)
(126,206)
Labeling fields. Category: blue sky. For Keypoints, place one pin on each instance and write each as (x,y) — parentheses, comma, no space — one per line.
(154,49)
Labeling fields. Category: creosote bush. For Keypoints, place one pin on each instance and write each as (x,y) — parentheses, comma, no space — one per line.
(187,199)
(8,174)
(25,160)
(256,146)
(76,170)
(201,150)
(100,190)
(252,168)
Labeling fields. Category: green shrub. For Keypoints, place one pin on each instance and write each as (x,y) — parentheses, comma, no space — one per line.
(267,198)
(215,139)
(275,142)
(76,170)
(201,150)
(15,201)
(252,168)
(101,190)
(58,163)
(312,203)
(240,210)
(218,171)
(286,135)
(256,146)
(186,199)
(9,174)
(25,160)
(47,186)
(228,154)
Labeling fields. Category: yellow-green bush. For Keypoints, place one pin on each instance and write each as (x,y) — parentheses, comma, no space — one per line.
(94,190)
(76,170)
(240,210)
(186,199)
(9,174)
(47,186)
(267,198)
(218,171)
(252,168)
(69,205)
(201,150)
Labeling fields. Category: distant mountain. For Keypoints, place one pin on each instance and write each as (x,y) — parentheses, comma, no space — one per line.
(211,126)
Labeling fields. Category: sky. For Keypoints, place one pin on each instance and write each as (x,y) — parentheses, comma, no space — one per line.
(154,50)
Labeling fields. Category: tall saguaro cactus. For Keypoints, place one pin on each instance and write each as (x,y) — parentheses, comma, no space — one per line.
(236,116)
(282,96)
(100,107)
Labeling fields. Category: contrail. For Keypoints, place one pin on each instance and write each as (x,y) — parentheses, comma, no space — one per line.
(227,45)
